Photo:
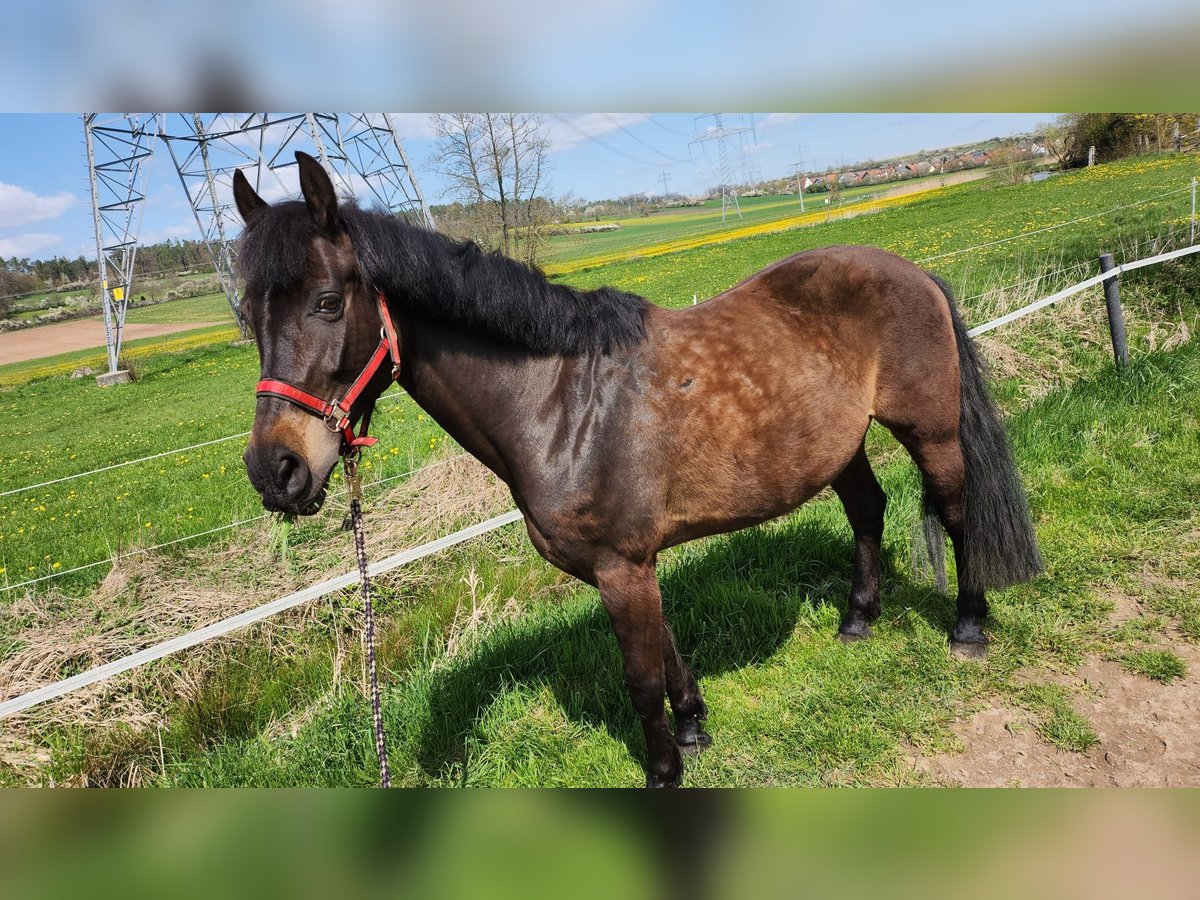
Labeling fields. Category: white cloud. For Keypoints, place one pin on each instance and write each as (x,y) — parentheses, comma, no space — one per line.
(28,244)
(20,207)
(780,119)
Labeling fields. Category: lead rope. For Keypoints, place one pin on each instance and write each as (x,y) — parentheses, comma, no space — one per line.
(354,484)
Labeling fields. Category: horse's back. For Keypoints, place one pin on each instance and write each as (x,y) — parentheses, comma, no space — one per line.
(884,316)
(771,385)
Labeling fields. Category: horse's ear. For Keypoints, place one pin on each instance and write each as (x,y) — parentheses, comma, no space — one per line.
(318,193)
(248,202)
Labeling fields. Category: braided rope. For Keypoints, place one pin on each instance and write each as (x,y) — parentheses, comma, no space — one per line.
(360,550)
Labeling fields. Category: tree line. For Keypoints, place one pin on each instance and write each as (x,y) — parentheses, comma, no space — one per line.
(1070,137)
(21,275)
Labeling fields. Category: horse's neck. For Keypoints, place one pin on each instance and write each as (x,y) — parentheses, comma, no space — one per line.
(494,400)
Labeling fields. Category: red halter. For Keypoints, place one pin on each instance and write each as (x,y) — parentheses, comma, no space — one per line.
(336,413)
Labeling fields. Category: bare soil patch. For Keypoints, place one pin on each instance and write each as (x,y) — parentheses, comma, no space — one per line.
(80,334)
(1149,735)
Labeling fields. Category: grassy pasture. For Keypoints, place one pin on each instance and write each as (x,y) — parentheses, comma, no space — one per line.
(530,691)
(503,672)
(578,250)
(952,219)
(206,308)
(189,398)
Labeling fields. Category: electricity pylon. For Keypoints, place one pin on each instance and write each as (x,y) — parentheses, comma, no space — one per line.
(362,151)
(119,152)
(721,134)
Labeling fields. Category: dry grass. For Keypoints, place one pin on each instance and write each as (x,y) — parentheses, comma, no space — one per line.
(149,598)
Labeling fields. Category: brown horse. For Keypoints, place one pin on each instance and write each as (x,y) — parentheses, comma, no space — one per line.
(623,428)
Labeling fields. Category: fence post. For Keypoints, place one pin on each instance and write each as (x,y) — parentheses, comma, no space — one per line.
(1116,320)
(1192,230)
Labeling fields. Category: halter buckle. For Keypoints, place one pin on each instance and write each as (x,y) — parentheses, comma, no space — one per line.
(336,421)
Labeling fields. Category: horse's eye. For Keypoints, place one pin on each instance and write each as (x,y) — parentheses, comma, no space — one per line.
(328,303)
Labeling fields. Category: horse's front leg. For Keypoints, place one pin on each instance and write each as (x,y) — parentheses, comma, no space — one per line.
(629,591)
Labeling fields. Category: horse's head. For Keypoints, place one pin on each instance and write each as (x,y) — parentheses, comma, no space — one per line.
(316,323)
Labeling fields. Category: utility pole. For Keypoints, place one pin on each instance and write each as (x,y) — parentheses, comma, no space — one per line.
(664,178)
(799,174)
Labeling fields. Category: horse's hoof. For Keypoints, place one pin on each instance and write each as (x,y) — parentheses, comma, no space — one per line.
(853,637)
(691,738)
(965,650)
(653,781)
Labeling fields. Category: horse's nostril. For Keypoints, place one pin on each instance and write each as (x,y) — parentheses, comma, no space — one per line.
(288,466)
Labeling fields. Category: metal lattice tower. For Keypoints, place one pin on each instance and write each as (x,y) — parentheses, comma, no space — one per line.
(119,152)
(720,134)
(362,151)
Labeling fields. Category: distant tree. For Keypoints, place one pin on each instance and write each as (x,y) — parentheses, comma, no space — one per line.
(1010,164)
(496,164)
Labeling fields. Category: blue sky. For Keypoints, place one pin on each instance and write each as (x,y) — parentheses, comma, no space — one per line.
(45,206)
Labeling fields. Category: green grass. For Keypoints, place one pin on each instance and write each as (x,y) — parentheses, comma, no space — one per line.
(534,694)
(1161,665)
(1059,724)
(638,231)
(951,219)
(178,400)
(206,308)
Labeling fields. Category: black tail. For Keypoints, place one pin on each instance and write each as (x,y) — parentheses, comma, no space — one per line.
(1000,548)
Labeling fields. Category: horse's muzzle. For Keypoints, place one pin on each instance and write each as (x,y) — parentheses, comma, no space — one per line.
(284,481)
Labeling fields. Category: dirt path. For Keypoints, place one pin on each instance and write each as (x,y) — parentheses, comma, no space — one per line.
(925,184)
(79,334)
(1149,732)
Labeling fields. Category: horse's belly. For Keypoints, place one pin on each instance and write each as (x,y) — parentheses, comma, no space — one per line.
(721,492)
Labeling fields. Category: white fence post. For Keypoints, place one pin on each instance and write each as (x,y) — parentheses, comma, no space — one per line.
(1192,231)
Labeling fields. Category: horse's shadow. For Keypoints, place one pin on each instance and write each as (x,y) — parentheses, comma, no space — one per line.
(732,602)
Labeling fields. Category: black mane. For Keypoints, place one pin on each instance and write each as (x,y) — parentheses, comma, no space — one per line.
(426,274)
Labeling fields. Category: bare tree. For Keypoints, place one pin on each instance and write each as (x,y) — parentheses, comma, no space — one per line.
(496,164)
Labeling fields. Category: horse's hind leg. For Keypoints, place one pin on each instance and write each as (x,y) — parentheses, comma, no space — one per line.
(941,463)
(686,702)
(631,598)
(864,502)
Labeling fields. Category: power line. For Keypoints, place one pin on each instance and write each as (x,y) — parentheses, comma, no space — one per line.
(643,143)
(606,145)
(668,129)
